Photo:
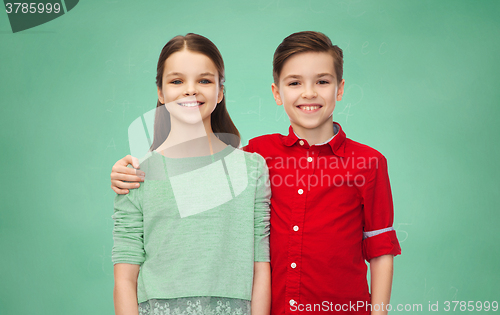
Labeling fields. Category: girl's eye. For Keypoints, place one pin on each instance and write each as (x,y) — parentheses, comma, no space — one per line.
(176,82)
(205,81)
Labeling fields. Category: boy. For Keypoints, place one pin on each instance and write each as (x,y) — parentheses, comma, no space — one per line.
(331,205)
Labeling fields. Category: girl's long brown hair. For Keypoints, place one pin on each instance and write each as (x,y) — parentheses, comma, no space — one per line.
(221,122)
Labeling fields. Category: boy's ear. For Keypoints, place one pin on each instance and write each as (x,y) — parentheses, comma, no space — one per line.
(340,90)
(220,96)
(276,94)
(160,95)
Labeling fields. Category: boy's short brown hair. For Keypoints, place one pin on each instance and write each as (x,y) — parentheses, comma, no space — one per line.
(307,41)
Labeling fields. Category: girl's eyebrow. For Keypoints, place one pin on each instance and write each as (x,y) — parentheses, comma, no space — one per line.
(204,74)
(174,73)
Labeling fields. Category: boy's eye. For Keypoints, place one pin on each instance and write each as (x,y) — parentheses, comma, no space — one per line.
(293,83)
(323,82)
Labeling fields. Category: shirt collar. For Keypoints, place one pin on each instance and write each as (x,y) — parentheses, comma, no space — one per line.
(336,142)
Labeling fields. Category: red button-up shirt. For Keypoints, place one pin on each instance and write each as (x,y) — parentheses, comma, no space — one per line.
(331,209)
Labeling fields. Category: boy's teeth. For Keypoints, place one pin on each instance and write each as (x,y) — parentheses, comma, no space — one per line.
(309,107)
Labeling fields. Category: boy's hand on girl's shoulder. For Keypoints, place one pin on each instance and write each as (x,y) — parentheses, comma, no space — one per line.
(124,178)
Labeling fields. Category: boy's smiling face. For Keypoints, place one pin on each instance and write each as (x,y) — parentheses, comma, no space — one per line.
(308,90)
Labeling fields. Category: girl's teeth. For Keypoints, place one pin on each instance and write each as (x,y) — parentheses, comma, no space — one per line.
(189,104)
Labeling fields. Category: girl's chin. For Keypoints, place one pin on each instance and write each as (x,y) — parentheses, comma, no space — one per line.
(192,119)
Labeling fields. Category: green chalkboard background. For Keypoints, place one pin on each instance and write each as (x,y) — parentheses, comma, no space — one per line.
(422,87)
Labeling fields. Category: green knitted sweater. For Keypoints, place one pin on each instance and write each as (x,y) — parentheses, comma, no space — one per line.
(196,225)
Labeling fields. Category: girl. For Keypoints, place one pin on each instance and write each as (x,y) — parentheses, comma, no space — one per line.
(194,238)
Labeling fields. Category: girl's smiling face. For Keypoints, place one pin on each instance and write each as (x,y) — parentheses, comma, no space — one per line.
(308,90)
(190,88)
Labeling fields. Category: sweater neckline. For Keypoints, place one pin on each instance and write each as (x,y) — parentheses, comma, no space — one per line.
(216,156)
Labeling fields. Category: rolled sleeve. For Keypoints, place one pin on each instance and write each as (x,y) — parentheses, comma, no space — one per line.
(261,211)
(381,244)
(379,235)
(128,232)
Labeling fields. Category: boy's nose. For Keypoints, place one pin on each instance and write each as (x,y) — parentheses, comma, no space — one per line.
(309,92)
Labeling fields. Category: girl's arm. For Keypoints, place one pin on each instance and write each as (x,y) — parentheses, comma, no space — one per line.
(261,290)
(128,250)
(381,270)
(125,291)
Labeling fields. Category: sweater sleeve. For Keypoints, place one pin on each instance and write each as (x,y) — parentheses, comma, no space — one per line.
(261,210)
(128,229)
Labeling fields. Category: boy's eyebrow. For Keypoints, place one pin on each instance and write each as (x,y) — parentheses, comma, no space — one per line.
(292,76)
(296,76)
(325,74)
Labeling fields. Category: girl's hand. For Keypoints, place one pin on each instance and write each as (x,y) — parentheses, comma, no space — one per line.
(124,178)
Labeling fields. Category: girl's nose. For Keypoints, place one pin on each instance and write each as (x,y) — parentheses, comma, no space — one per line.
(190,90)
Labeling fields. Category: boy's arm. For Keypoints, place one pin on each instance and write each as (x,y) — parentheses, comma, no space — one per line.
(261,290)
(121,173)
(380,243)
(125,290)
(381,270)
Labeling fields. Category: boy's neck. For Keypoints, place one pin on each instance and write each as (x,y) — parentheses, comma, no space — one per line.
(316,135)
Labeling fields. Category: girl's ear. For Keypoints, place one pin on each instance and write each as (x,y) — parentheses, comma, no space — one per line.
(220,96)
(160,95)
(276,94)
